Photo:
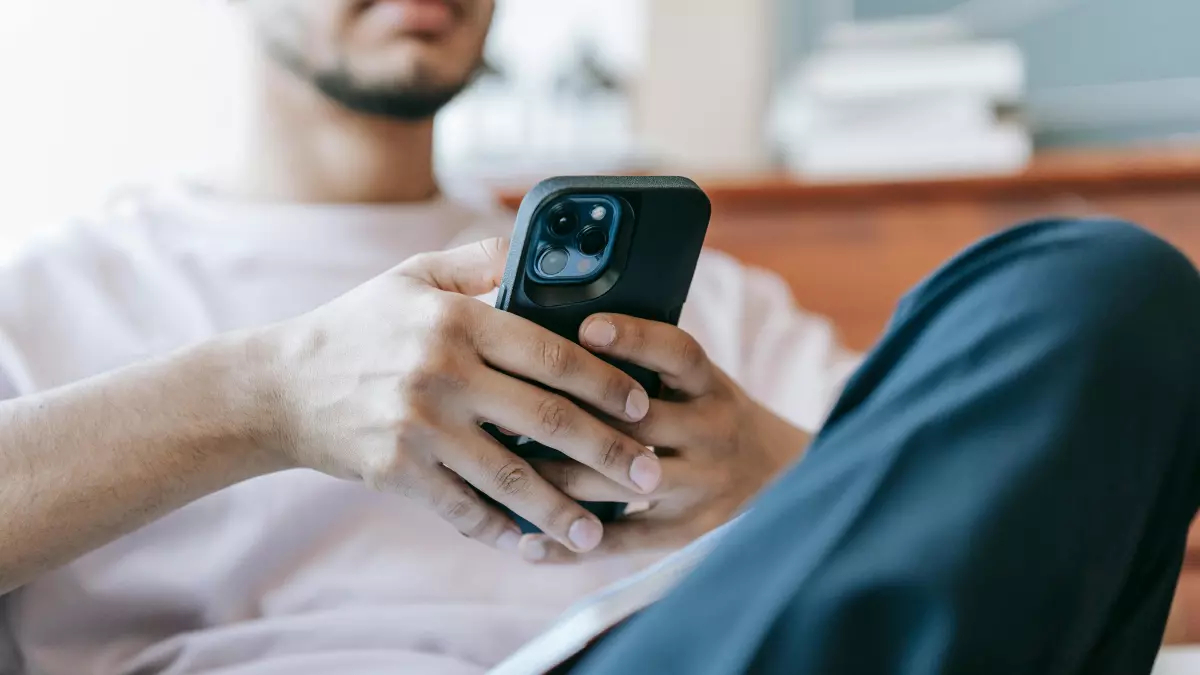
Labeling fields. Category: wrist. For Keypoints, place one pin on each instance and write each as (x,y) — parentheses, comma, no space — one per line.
(245,366)
(783,442)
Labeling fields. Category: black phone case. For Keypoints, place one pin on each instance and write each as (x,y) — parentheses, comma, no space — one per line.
(662,232)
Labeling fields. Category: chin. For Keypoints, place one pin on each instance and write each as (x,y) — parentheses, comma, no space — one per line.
(413,61)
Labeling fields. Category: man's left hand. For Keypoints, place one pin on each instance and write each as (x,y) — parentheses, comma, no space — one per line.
(718,446)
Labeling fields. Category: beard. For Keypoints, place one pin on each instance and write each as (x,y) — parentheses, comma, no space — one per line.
(408,101)
(286,30)
(412,99)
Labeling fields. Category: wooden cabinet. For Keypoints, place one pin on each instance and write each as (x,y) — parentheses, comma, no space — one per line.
(850,251)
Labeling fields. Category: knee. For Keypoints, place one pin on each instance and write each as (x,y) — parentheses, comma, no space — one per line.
(1115,249)
(1091,283)
(1106,272)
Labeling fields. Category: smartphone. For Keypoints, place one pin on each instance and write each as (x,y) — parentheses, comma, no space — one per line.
(583,245)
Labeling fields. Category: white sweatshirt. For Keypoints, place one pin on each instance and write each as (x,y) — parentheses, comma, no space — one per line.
(297,572)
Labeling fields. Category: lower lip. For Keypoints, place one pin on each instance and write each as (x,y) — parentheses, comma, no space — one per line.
(410,16)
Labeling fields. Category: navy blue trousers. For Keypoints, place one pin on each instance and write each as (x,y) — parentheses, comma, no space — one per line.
(1004,487)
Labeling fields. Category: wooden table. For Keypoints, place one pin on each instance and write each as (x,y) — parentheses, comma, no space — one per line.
(850,251)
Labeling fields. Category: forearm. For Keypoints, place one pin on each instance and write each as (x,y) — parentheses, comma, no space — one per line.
(85,464)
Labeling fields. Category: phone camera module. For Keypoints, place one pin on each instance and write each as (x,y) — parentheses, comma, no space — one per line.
(553,261)
(563,222)
(593,241)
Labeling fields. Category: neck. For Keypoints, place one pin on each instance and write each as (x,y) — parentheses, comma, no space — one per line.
(297,146)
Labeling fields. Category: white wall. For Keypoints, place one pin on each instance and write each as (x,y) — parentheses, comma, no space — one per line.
(703,97)
(96,92)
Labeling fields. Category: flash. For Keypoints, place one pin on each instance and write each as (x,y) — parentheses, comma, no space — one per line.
(585,266)
(599,213)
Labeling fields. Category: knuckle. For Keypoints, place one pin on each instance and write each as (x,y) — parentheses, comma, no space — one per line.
(566,477)
(440,374)
(556,358)
(414,263)
(727,427)
(493,248)
(616,389)
(513,479)
(612,451)
(452,319)
(554,417)
(465,513)
(691,355)
(407,486)
(410,490)
(477,529)
(459,508)
(413,431)
(389,472)
(559,516)
(633,336)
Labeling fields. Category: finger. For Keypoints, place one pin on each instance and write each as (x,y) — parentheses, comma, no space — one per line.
(679,477)
(473,269)
(640,535)
(669,424)
(511,481)
(557,423)
(449,497)
(515,345)
(676,356)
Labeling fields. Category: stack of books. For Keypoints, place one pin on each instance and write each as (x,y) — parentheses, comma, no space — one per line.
(879,109)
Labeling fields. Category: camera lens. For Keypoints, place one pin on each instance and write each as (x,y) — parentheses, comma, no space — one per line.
(593,241)
(563,222)
(553,261)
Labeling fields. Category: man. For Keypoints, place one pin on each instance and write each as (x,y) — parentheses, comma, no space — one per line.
(334,186)
(1004,487)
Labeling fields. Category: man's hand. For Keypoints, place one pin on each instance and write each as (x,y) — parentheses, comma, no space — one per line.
(719,448)
(390,384)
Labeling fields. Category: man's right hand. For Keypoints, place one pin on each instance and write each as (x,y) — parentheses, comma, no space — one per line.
(389,384)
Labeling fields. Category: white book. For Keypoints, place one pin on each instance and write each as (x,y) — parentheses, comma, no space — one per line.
(906,115)
(992,70)
(797,122)
(592,617)
(871,157)
(896,31)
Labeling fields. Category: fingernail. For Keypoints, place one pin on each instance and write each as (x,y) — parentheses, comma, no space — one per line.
(637,404)
(534,549)
(585,534)
(646,473)
(599,333)
(509,540)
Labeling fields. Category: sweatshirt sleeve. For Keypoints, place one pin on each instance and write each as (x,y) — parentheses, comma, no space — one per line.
(7,390)
(793,361)
(8,652)
(786,358)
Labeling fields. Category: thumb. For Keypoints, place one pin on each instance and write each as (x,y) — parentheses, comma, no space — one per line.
(472,269)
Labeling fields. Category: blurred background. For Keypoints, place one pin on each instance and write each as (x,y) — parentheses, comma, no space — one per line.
(848,145)
(823,90)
